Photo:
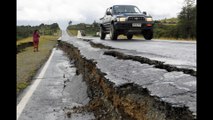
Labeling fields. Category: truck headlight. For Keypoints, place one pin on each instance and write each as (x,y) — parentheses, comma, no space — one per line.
(121,19)
(148,19)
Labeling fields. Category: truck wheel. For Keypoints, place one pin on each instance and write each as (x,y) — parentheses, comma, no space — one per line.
(148,34)
(113,35)
(129,36)
(102,34)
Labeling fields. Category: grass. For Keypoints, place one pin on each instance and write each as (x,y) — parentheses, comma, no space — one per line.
(28,62)
(162,38)
(73,32)
(134,37)
(28,39)
(87,32)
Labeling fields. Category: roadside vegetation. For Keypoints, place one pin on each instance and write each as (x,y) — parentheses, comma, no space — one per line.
(29,62)
(87,29)
(44,29)
(183,27)
(73,32)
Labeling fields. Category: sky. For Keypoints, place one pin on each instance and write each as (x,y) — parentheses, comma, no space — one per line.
(35,12)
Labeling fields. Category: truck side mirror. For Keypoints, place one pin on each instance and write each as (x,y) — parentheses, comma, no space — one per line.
(144,12)
(108,13)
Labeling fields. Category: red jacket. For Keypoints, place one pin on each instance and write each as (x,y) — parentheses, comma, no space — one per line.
(36,37)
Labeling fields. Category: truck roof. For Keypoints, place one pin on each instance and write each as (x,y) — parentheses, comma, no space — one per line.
(123,5)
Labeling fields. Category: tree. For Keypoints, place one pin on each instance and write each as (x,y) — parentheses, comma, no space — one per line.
(187,20)
(54,26)
(70,23)
(26,31)
(95,24)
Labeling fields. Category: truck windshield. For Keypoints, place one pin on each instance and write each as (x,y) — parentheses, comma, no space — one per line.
(125,9)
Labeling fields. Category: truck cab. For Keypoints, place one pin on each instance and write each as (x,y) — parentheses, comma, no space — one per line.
(127,20)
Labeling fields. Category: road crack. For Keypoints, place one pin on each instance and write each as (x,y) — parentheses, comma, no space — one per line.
(129,101)
(143,60)
(157,64)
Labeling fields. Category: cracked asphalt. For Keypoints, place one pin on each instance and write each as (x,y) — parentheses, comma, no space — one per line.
(176,88)
(59,90)
(178,53)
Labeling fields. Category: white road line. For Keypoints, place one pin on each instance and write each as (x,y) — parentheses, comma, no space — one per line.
(32,88)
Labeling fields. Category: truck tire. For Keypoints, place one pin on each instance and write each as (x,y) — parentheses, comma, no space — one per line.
(129,36)
(112,33)
(102,34)
(148,34)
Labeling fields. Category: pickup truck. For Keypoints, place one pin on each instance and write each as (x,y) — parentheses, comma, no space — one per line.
(127,20)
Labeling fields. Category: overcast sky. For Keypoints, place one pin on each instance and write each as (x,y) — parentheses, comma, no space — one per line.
(35,12)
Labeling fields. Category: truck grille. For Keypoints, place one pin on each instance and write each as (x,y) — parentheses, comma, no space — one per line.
(136,19)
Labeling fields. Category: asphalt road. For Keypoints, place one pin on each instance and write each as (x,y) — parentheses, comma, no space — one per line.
(175,87)
(178,53)
(55,90)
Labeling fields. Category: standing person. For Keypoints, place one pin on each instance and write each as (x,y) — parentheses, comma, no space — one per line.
(36,40)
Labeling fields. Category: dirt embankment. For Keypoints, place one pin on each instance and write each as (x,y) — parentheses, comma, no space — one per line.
(127,102)
(22,46)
